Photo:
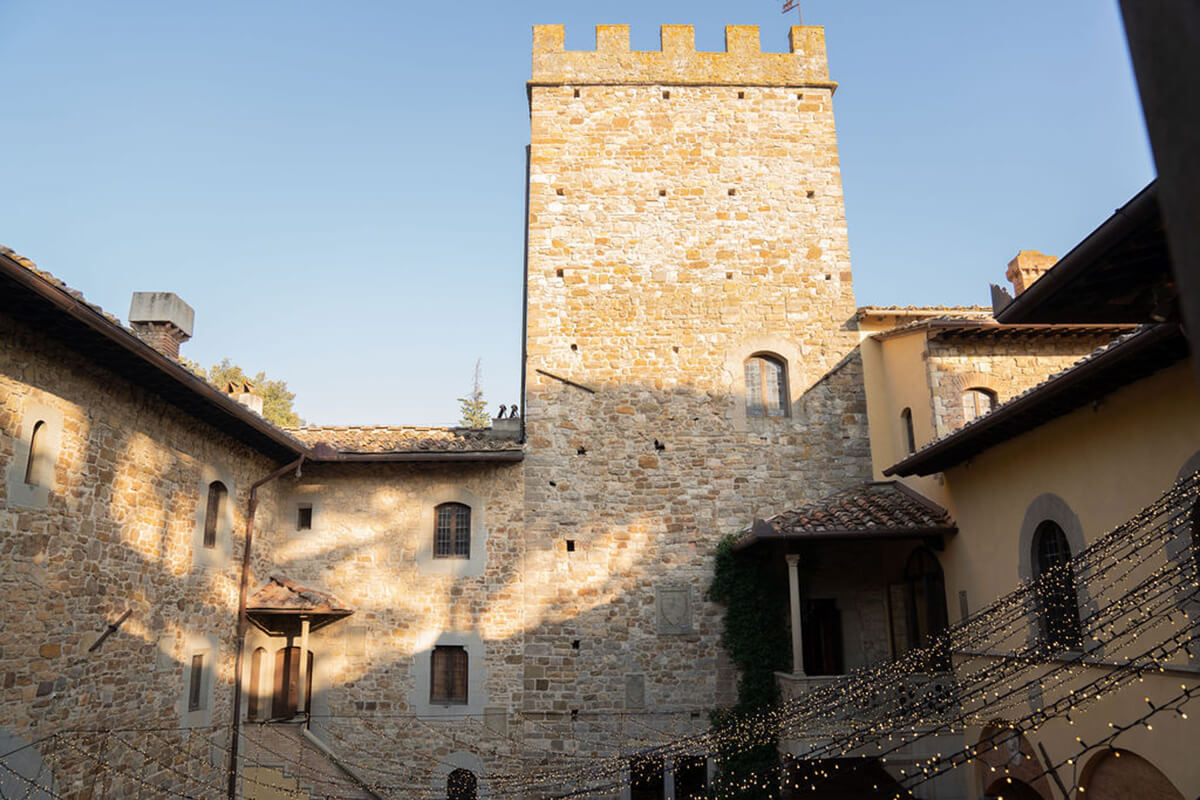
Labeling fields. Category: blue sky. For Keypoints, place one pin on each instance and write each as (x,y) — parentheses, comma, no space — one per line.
(337,188)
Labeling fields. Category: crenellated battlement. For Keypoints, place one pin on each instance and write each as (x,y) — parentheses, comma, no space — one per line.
(742,64)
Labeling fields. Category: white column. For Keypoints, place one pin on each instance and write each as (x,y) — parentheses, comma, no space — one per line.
(793,562)
(301,694)
(669,777)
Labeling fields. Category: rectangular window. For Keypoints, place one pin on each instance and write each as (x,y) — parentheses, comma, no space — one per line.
(448,675)
(452,536)
(195,686)
(304,518)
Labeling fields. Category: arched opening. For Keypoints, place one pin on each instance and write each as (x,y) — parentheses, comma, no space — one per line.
(218,496)
(462,784)
(39,468)
(976,402)
(257,709)
(921,613)
(452,532)
(1058,601)
(1124,775)
(766,386)
(1004,754)
(1011,789)
(910,438)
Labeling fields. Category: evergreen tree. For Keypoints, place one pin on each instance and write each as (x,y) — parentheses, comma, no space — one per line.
(473,407)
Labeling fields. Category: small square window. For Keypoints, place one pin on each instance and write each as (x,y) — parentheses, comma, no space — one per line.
(304,518)
(570,545)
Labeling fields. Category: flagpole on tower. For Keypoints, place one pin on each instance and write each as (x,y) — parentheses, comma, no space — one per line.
(789,5)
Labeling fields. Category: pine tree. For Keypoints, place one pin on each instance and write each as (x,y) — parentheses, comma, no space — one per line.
(473,406)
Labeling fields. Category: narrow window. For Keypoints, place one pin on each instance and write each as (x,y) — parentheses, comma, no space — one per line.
(910,438)
(256,709)
(766,387)
(462,785)
(195,684)
(39,469)
(448,675)
(976,402)
(218,496)
(452,535)
(1058,602)
(304,518)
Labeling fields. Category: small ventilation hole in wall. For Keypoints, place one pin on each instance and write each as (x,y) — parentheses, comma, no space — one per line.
(558,273)
(666,94)
(574,714)
(577,93)
(575,644)
(741,95)
(582,451)
(552,483)
(811,194)
(800,95)
(675,349)
(662,192)
(728,276)
(732,192)
(560,192)
(574,346)
(828,277)
(570,545)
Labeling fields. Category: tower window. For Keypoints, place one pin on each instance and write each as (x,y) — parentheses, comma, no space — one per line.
(448,675)
(452,534)
(195,683)
(462,784)
(304,516)
(39,469)
(766,386)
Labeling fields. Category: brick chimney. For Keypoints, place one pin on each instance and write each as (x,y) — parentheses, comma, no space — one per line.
(1027,267)
(244,393)
(161,320)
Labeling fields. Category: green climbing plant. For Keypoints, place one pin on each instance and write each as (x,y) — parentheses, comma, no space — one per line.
(756,640)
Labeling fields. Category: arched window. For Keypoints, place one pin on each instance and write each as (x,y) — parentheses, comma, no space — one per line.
(766,386)
(1058,603)
(462,785)
(39,469)
(919,608)
(452,533)
(910,438)
(976,402)
(257,706)
(218,496)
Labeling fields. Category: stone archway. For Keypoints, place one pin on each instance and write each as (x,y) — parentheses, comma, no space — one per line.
(1124,775)
(1004,753)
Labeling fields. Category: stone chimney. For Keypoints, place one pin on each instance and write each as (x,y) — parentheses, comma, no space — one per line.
(1027,267)
(161,320)
(244,393)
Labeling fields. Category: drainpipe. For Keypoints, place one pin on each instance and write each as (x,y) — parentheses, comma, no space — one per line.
(243,620)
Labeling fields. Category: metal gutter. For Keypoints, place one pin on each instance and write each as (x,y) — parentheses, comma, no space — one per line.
(1139,210)
(503,456)
(85,314)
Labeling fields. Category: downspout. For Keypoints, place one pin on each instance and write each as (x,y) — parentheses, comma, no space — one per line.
(243,620)
(525,300)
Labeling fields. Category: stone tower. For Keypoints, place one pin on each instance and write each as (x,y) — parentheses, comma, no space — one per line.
(685,217)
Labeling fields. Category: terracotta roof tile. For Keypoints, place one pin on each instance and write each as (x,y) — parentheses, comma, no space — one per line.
(53,281)
(281,594)
(877,508)
(382,439)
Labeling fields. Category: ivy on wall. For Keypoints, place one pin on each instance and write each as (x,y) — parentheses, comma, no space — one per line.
(755,637)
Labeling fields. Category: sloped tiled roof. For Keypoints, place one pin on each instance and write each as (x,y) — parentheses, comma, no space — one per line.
(53,281)
(388,439)
(960,312)
(883,509)
(958,327)
(281,594)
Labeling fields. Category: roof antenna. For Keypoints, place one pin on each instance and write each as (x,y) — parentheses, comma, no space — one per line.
(788,5)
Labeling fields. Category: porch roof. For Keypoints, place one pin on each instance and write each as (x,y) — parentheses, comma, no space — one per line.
(282,603)
(872,510)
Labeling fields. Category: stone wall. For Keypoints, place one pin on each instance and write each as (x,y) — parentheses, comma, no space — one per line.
(113,528)
(685,213)
(1006,366)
